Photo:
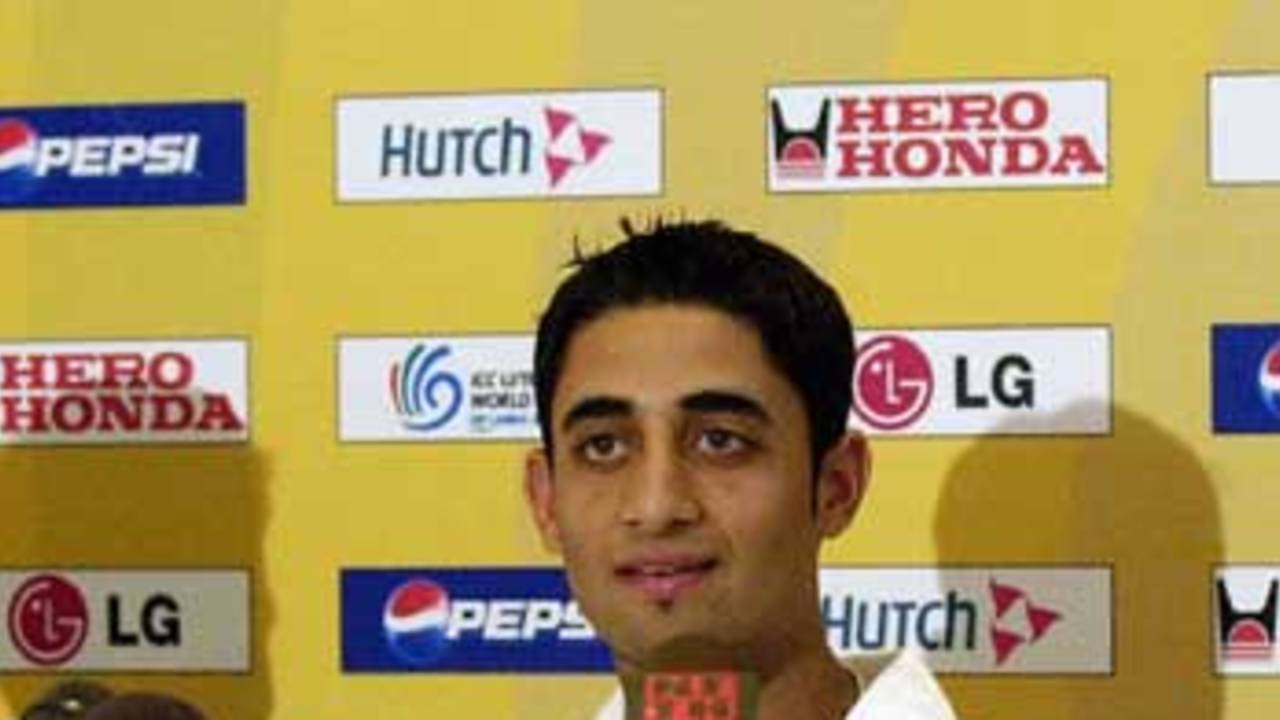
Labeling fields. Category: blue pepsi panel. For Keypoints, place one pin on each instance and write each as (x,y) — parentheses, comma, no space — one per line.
(1246,378)
(474,620)
(122,155)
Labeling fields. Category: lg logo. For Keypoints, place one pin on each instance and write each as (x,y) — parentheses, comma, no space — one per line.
(895,384)
(50,620)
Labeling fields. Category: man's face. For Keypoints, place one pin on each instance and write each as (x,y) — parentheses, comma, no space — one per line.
(681,489)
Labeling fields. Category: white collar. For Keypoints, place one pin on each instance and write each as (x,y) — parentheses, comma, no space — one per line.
(897,687)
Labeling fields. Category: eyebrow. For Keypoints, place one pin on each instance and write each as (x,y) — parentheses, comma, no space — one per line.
(724,401)
(596,406)
(703,401)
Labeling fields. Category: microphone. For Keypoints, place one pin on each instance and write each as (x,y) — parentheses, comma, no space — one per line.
(66,701)
(144,706)
(696,695)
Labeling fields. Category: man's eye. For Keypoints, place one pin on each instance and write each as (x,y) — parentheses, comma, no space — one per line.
(717,441)
(602,449)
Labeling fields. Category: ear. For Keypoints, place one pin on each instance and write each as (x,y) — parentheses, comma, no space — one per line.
(539,492)
(842,482)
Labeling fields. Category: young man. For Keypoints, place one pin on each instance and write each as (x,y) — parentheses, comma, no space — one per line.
(693,386)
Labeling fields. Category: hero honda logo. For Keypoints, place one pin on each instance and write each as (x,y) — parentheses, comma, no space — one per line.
(938,135)
(800,153)
(122,155)
(123,391)
(1007,380)
(502,145)
(1247,619)
(1247,635)
(48,620)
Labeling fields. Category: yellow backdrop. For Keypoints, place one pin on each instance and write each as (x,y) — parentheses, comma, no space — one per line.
(1157,254)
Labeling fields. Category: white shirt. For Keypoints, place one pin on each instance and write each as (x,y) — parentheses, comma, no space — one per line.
(893,688)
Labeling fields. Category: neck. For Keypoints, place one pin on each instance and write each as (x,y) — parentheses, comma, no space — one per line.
(812,686)
(801,682)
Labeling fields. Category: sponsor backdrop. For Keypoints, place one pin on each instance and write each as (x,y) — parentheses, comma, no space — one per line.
(271,272)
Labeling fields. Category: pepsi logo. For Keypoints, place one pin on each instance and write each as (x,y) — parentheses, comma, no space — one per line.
(48,620)
(415,620)
(18,146)
(1269,379)
(893,383)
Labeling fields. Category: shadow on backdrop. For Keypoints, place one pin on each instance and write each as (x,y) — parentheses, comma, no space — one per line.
(1139,501)
(139,507)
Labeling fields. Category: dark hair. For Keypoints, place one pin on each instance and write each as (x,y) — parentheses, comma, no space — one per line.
(802,324)
(144,706)
(67,701)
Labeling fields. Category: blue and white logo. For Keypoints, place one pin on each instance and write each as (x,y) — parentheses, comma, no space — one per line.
(1246,378)
(465,620)
(436,388)
(415,619)
(122,155)
(1269,379)
(425,396)
(17,160)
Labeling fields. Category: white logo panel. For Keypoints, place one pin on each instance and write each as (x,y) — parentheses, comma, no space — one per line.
(1010,381)
(546,144)
(124,392)
(436,388)
(995,620)
(1244,111)
(908,136)
(92,620)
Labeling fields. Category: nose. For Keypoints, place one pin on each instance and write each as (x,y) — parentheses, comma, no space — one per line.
(660,495)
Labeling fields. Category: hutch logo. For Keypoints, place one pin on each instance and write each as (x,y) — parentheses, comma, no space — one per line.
(499,146)
(1037,620)
(123,392)
(1017,620)
(938,135)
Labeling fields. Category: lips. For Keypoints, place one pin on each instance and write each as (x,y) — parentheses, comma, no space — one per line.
(664,578)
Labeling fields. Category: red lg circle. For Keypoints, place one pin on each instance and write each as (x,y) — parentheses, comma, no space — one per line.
(892,383)
(48,620)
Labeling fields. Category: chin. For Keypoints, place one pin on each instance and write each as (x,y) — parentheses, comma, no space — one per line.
(680,648)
